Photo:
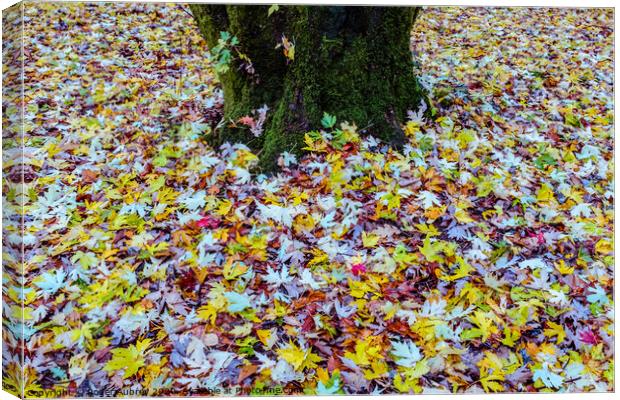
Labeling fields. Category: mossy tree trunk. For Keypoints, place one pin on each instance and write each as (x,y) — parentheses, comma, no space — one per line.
(352,62)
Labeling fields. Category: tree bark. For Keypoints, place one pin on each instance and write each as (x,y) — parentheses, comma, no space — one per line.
(352,62)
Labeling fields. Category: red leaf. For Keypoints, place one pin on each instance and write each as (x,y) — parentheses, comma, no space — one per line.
(358,269)
(208,222)
(588,337)
(247,120)
(308,324)
(540,237)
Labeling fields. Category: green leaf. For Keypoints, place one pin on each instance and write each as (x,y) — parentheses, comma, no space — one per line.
(224,35)
(543,160)
(472,333)
(328,121)
(572,120)
(273,9)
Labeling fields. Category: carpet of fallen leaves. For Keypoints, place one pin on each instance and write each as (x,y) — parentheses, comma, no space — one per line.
(478,258)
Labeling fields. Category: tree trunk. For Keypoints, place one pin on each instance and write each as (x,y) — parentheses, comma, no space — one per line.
(352,62)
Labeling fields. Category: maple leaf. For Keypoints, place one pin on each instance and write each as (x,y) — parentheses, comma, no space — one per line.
(266,362)
(604,247)
(431,249)
(589,337)
(555,330)
(237,302)
(485,325)
(428,199)
(545,194)
(548,378)
(298,357)
(288,159)
(193,201)
(208,222)
(283,372)
(130,358)
(86,260)
(461,271)
(306,278)
(370,240)
(344,311)
(332,387)
(358,269)
(535,263)
(51,282)
(234,269)
(366,351)
(247,120)
(407,353)
(597,295)
(278,278)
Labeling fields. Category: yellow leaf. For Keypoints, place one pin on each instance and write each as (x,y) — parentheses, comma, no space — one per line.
(224,208)
(242,330)
(603,247)
(488,214)
(491,386)
(462,271)
(208,313)
(131,358)
(379,368)
(461,214)
(555,330)
(545,194)
(233,269)
(319,257)
(400,385)
(510,336)
(548,348)
(201,273)
(370,239)
(412,128)
(358,289)
(298,357)
(484,323)
(429,230)
(366,350)
(263,335)
(431,250)
(322,374)
(435,212)
(563,268)
(418,370)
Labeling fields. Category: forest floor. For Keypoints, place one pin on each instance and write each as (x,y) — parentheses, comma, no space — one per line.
(479,258)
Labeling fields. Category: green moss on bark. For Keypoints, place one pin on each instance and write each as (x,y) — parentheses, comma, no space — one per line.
(352,62)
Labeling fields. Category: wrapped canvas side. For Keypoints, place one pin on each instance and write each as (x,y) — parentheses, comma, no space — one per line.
(14,293)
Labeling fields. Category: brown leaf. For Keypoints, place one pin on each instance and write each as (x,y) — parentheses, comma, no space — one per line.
(89,176)
(246,371)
